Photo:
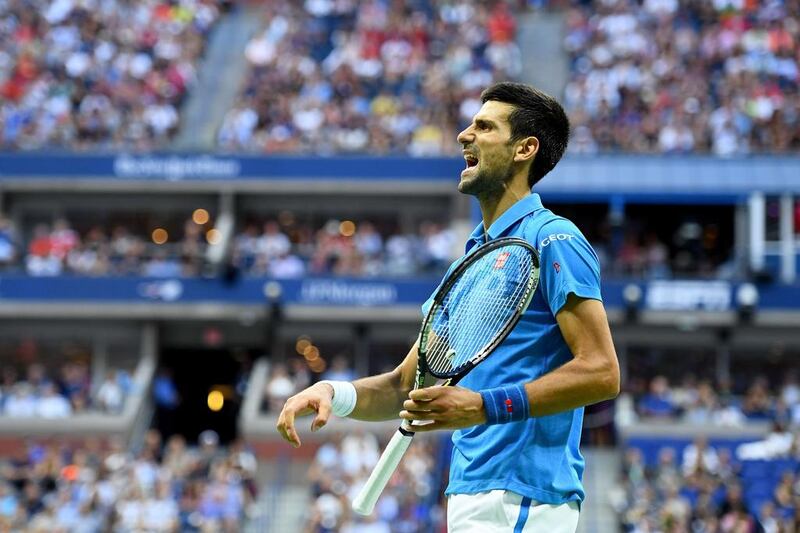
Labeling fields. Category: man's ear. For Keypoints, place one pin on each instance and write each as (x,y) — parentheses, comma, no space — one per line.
(526,149)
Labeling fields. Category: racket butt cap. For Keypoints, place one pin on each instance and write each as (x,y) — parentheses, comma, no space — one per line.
(363,507)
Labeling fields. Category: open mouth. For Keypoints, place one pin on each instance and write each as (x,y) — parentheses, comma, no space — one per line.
(471,160)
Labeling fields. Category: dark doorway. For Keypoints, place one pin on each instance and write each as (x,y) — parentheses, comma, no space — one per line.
(209,384)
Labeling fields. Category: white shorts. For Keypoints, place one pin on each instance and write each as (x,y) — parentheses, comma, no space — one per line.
(502,511)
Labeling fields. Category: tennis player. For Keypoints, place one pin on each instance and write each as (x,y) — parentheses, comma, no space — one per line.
(517,416)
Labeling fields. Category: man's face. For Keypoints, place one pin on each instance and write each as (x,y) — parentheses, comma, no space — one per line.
(488,151)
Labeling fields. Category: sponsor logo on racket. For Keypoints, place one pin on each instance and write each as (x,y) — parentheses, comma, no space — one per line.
(500,262)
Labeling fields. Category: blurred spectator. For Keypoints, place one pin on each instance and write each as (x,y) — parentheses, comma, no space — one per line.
(658,402)
(167,400)
(340,370)
(700,457)
(8,243)
(279,387)
(52,405)
(110,395)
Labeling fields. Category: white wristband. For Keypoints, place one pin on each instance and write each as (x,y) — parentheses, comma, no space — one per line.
(344,397)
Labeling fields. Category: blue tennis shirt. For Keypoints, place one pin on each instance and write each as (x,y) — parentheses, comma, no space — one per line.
(538,458)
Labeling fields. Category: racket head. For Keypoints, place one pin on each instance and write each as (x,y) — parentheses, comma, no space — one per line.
(477,306)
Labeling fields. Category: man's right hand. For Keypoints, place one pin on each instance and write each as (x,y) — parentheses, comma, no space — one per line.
(315,399)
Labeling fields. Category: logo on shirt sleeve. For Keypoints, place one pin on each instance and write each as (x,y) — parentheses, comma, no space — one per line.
(556,237)
(557,266)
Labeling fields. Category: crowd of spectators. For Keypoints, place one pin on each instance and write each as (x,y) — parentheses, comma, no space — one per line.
(373,77)
(342,465)
(708,489)
(104,487)
(100,74)
(99,250)
(260,249)
(693,249)
(342,248)
(705,402)
(40,393)
(364,248)
(673,76)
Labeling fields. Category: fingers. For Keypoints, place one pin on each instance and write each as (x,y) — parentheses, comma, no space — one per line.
(323,413)
(420,415)
(311,400)
(427,394)
(286,428)
(418,405)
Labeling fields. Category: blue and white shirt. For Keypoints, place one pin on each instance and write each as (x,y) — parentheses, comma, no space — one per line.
(538,457)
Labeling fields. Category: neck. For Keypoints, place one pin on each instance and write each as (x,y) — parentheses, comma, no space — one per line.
(493,206)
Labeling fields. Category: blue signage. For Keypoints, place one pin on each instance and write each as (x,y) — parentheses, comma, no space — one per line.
(673,295)
(694,178)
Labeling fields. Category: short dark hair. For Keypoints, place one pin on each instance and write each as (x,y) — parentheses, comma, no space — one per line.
(535,114)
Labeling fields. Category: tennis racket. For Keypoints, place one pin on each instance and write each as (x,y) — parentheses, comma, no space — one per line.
(473,311)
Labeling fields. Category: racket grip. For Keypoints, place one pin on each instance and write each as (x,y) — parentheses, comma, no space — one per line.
(365,502)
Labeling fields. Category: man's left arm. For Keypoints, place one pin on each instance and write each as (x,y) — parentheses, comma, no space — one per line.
(593,373)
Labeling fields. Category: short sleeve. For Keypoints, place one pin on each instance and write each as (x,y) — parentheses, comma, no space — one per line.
(568,264)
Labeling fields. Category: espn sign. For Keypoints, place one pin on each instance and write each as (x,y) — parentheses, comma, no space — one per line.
(688,295)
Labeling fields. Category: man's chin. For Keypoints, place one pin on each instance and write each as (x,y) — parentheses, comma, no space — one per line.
(469,184)
(467,187)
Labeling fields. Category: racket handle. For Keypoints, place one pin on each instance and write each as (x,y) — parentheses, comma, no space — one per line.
(365,502)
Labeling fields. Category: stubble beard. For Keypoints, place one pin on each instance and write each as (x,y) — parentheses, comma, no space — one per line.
(488,182)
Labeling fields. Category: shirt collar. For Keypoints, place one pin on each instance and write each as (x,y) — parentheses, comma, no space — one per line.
(519,210)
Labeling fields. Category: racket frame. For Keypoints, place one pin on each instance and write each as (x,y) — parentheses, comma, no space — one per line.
(533,282)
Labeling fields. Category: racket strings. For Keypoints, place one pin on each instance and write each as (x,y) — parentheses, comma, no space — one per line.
(477,308)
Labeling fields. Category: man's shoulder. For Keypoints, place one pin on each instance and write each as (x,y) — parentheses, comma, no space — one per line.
(544,226)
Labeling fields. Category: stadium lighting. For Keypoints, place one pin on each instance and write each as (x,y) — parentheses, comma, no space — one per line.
(318,365)
(311,353)
(301,344)
(273,290)
(213,236)
(632,295)
(347,228)
(747,301)
(215,400)
(200,216)
(160,236)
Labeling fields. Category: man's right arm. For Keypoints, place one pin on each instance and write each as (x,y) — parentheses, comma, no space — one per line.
(379,397)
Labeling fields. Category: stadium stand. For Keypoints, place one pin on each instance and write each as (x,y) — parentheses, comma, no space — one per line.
(369,77)
(683,77)
(329,211)
(164,487)
(701,401)
(705,486)
(99,75)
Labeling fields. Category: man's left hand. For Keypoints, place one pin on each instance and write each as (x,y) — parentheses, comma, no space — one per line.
(443,408)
